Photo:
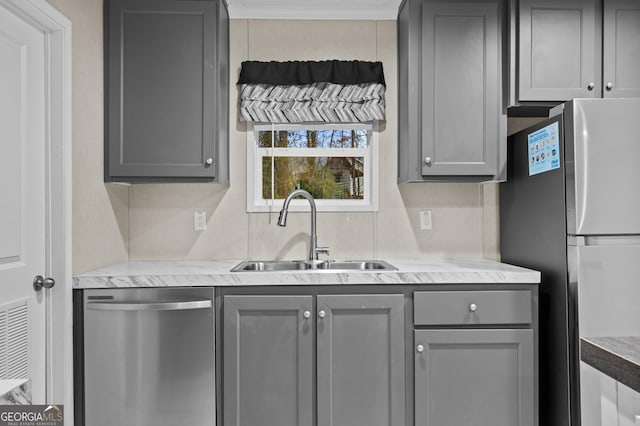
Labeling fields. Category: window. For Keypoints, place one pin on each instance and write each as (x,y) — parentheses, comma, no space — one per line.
(334,162)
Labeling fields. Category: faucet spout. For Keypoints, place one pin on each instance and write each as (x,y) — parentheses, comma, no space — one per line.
(282,218)
(313,237)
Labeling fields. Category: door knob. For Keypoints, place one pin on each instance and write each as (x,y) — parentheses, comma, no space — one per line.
(420,349)
(609,86)
(428,161)
(39,282)
(322,314)
(208,162)
(306,314)
(591,86)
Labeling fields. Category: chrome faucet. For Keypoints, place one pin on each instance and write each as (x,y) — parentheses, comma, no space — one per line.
(314,250)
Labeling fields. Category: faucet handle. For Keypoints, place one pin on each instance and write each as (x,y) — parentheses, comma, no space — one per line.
(322,250)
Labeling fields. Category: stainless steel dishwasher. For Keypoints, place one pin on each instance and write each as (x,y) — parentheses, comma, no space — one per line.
(149,357)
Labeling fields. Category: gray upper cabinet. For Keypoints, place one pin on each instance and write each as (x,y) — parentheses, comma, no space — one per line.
(451,119)
(621,49)
(361,360)
(558,49)
(166,110)
(576,49)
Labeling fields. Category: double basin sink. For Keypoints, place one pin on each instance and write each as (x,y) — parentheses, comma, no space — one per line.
(305,265)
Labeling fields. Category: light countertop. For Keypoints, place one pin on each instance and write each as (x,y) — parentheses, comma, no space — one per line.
(217,273)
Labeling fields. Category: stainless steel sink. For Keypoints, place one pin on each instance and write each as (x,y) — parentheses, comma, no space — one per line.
(270,265)
(356,265)
(303,265)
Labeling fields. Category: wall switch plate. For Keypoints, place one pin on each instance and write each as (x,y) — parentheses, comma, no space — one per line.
(199,220)
(425,220)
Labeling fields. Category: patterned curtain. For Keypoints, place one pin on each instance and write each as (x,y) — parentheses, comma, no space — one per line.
(302,92)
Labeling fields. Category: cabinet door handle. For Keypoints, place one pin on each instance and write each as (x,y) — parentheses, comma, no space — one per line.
(322,314)
(473,307)
(428,161)
(609,86)
(591,86)
(209,162)
(307,314)
(420,349)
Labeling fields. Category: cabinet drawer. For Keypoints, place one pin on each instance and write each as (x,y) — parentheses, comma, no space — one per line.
(472,307)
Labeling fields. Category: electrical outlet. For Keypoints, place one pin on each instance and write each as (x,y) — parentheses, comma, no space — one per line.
(425,220)
(199,220)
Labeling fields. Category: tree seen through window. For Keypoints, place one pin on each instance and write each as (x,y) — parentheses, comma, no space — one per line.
(325,177)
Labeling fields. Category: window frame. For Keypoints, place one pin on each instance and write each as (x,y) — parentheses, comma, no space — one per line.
(255,202)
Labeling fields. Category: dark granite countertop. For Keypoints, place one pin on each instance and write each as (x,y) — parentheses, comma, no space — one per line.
(617,357)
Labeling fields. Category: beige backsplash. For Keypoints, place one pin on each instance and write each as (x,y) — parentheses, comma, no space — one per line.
(161,225)
(161,216)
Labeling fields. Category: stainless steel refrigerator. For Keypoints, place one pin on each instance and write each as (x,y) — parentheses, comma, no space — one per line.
(570,208)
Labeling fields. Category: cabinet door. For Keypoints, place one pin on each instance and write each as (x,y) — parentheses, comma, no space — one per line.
(161,88)
(474,377)
(621,49)
(619,404)
(628,406)
(360,352)
(268,362)
(559,45)
(460,89)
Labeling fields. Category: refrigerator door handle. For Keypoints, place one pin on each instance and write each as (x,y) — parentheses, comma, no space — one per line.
(603,240)
(575,241)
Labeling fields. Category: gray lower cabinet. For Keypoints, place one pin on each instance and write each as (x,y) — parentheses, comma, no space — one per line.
(451,119)
(474,377)
(269,359)
(474,358)
(576,49)
(360,350)
(166,94)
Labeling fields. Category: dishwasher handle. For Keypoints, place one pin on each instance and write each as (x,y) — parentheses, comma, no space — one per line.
(150,306)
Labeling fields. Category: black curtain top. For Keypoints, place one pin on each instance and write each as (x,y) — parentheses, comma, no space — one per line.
(308,72)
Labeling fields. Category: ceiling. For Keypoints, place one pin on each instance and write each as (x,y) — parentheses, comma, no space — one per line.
(313,9)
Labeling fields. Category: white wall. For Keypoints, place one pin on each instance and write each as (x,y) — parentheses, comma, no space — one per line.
(464,215)
(113,223)
(100,212)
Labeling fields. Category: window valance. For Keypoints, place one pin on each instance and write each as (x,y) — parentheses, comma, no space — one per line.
(311,91)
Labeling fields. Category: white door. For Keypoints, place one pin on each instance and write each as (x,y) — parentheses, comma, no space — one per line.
(22,202)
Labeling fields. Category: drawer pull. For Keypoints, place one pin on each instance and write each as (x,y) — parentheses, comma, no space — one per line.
(419,349)
(473,307)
